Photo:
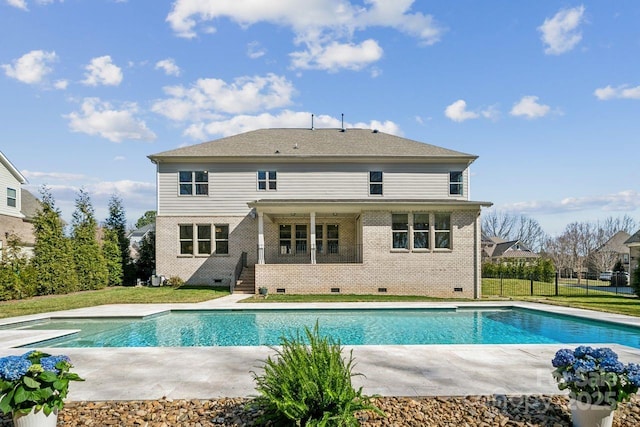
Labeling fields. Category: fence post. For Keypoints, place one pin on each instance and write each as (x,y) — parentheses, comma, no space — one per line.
(531,278)
(557,274)
(501,284)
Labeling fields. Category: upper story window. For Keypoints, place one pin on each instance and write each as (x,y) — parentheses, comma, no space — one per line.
(455,183)
(375,183)
(12,197)
(194,183)
(267,180)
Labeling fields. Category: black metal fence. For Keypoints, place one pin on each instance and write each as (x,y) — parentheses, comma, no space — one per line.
(560,286)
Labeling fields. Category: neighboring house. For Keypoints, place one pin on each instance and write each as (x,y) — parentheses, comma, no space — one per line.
(353,211)
(498,250)
(17,207)
(137,236)
(612,251)
(633,243)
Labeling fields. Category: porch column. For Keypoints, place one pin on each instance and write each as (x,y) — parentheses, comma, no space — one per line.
(260,238)
(312,217)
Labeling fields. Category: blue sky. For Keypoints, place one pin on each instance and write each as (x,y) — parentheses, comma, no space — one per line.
(547,93)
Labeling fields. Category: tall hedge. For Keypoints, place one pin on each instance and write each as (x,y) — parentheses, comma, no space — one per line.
(52,254)
(91,266)
(541,270)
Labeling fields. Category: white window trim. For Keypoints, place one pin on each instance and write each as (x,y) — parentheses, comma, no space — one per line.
(194,183)
(431,233)
(460,183)
(15,199)
(195,240)
(369,183)
(266,180)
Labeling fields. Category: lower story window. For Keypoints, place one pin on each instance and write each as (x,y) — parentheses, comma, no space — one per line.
(196,239)
(327,239)
(443,231)
(285,239)
(301,238)
(421,231)
(186,239)
(222,239)
(400,231)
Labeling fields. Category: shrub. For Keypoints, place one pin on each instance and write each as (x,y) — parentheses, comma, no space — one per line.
(310,384)
(174,282)
(635,281)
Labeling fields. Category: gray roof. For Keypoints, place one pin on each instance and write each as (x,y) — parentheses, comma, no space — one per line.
(30,204)
(633,239)
(313,143)
(616,243)
(506,249)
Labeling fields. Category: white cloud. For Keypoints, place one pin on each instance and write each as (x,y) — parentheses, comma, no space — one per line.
(255,50)
(623,92)
(326,27)
(100,118)
(529,108)
(208,98)
(560,34)
(20,4)
(32,67)
(101,71)
(61,84)
(334,56)
(458,112)
(55,176)
(119,158)
(169,67)
(287,119)
(623,201)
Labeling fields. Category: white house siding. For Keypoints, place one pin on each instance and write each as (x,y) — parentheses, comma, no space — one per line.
(231,186)
(435,273)
(201,269)
(7,180)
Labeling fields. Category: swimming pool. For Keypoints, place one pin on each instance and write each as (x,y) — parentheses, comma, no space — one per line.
(351,327)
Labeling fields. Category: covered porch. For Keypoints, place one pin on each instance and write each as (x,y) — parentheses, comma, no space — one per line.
(308,233)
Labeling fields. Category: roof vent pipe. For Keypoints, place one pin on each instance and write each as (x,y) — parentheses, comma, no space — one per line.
(342,128)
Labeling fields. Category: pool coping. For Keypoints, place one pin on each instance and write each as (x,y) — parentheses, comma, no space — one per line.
(211,372)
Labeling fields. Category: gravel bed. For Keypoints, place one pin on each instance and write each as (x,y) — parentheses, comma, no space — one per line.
(470,411)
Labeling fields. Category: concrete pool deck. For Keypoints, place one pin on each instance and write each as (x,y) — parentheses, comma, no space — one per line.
(395,370)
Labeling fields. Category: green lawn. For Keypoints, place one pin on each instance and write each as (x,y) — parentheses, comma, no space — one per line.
(519,287)
(115,295)
(515,290)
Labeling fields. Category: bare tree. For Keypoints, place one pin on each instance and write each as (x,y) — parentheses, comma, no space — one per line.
(574,247)
(514,227)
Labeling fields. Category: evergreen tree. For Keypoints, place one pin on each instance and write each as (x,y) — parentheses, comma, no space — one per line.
(146,263)
(117,222)
(149,217)
(113,257)
(52,254)
(91,266)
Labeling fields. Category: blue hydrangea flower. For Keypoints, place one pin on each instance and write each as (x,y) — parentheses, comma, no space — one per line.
(569,377)
(583,351)
(612,365)
(604,353)
(13,367)
(583,366)
(564,357)
(49,363)
(634,378)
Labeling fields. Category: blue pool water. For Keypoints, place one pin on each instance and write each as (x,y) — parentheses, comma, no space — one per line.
(351,327)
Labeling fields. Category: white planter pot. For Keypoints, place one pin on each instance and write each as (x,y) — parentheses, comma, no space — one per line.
(587,415)
(36,419)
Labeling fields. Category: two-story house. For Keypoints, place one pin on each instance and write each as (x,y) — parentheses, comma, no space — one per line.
(17,206)
(352,211)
